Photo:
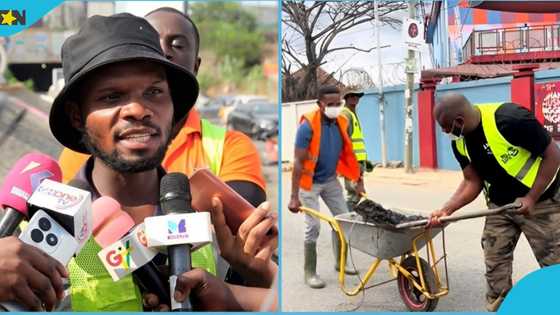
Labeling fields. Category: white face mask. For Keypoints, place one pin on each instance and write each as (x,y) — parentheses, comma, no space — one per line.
(332,111)
(454,130)
(454,137)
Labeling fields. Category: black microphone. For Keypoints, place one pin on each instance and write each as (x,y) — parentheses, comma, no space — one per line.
(175,198)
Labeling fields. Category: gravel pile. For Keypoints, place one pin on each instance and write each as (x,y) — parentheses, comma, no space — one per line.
(373,212)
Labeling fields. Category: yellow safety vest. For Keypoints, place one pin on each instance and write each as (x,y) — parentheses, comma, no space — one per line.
(516,161)
(93,289)
(358,144)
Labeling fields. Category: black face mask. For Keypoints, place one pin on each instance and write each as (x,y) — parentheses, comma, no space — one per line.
(456,130)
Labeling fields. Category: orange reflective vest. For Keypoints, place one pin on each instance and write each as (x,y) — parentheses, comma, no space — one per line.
(347,164)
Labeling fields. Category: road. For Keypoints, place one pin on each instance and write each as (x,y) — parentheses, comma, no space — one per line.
(23,127)
(422,192)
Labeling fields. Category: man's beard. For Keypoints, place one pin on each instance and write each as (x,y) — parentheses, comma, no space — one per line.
(115,162)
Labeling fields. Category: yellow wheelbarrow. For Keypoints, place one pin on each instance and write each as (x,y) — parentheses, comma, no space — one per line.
(419,279)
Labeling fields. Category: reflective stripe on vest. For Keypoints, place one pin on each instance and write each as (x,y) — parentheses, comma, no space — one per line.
(516,161)
(213,144)
(357,137)
(347,164)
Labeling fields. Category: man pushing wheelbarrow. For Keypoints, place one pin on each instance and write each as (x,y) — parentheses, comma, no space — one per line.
(506,152)
(323,150)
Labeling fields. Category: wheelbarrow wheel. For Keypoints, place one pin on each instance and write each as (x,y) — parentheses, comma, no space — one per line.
(413,298)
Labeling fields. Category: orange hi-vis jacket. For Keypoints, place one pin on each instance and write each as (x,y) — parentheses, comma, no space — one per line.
(347,164)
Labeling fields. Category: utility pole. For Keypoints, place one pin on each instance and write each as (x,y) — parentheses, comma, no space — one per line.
(408,92)
(380,87)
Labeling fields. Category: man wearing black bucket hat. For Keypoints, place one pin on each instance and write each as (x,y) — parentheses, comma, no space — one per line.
(120,102)
(199,144)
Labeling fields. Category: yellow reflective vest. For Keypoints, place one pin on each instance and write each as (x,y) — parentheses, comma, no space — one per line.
(93,289)
(518,162)
(358,144)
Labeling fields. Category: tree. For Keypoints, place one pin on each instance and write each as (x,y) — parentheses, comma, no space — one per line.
(317,24)
(228,30)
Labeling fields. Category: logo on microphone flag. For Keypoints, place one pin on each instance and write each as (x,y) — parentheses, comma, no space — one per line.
(127,254)
(173,227)
(177,230)
(184,228)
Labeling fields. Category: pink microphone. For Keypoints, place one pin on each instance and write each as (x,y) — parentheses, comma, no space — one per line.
(110,223)
(24,177)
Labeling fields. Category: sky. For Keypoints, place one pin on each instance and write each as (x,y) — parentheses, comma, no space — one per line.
(363,36)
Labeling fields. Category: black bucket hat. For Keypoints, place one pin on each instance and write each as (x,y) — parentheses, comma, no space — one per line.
(106,40)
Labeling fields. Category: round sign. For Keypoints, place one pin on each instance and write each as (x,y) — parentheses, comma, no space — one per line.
(413,30)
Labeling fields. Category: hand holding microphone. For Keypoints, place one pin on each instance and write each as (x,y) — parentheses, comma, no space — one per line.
(29,276)
(249,251)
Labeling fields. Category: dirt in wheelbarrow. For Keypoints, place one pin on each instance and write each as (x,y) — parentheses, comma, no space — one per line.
(375,213)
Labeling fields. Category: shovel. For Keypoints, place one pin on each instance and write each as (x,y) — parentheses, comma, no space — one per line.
(509,208)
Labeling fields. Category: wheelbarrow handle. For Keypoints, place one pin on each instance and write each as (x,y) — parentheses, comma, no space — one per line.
(510,208)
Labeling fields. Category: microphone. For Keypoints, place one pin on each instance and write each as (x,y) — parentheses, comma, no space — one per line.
(181,230)
(69,206)
(44,233)
(24,177)
(175,198)
(124,247)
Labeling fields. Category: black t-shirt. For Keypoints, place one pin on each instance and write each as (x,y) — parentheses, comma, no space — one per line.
(520,127)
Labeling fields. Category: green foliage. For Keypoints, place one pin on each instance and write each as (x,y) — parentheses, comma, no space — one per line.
(228,30)
(231,69)
(11,79)
(254,78)
(206,79)
(231,73)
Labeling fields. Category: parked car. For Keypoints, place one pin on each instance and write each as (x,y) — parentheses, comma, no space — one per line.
(211,109)
(256,119)
(239,100)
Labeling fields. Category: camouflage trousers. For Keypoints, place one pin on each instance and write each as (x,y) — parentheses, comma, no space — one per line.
(500,236)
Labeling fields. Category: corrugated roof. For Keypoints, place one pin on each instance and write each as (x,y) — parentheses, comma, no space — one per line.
(483,71)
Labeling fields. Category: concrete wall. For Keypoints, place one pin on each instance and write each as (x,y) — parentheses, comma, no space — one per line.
(547,75)
(368,114)
(291,113)
(479,91)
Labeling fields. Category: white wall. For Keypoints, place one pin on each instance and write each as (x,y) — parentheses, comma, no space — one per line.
(291,114)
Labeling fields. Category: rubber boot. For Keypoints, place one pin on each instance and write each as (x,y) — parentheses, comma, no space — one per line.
(336,253)
(495,305)
(310,268)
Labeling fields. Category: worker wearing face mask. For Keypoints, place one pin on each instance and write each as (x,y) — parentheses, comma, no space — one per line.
(506,152)
(323,150)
